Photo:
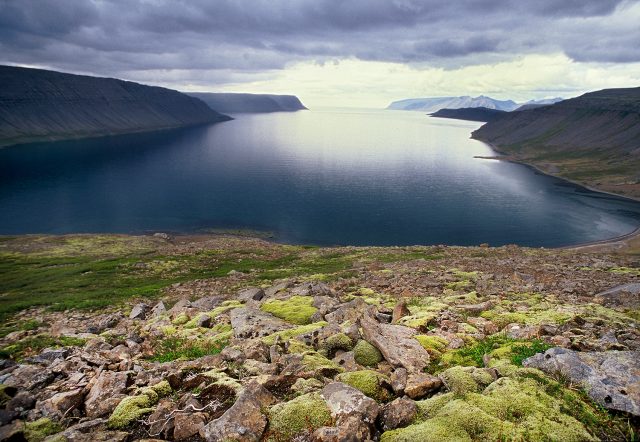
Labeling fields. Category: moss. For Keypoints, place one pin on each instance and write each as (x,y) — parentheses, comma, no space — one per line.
(367,381)
(336,342)
(37,431)
(459,285)
(132,408)
(218,377)
(314,361)
(429,342)
(285,335)
(193,322)
(296,310)
(224,307)
(366,354)
(4,397)
(429,407)
(304,413)
(433,430)
(465,276)
(501,320)
(304,386)
(459,381)
(181,319)
(364,291)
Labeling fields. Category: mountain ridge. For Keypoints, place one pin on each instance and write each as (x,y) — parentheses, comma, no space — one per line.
(44,105)
(228,102)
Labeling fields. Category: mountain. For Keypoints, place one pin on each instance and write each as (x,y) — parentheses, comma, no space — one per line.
(470,113)
(531,104)
(37,105)
(593,139)
(435,104)
(249,103)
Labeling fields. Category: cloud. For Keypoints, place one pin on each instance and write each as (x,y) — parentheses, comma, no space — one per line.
(215,44)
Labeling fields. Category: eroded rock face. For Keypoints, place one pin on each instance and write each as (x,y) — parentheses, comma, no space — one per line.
(396,343)
(139,311)
(250,323)
(611,378)
(244,421)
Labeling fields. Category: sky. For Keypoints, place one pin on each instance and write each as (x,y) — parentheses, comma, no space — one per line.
(356,53)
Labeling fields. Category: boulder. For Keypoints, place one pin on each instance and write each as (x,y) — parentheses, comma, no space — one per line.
(399,311)
(251,323)
(250,294)
(610,378)
(29,377)
(158,310)
(622,296)
(399,413)
(139,311)
(207,303)
(344,401)
(420,385)
(396,343)
(105,393)
(244,421)
(187,425)
(60,404)
(349,311)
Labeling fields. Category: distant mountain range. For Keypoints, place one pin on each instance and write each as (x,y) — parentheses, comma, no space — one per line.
(593,139)
(38,105)
(436,103)
(249,103)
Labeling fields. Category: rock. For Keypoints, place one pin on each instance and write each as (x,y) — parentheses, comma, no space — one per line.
(610,378)
(344,401)
(49,355)
(161,420)
(60,404)
(396,343)
(517,331)
(420,385)
(484,325)
(244,421)
(87,431)
(207,303)
(623,296)
(203,321)
(399,311)
(187,425)
(157,310)
(139,311)
(476,309)
(162,235)
(399,380)
(29,377)
(22,401)
(398,413)
(251,323)
(250,294)
(13,432)
(383,317)
(351,311)
(6,416)
(106,392)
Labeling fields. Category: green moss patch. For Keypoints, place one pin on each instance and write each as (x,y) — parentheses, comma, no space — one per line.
(303,414)
(296,310)
(132,408)
(285,335)
(172,347)
(366,354)
(34,344)
(368,382)
(37,431)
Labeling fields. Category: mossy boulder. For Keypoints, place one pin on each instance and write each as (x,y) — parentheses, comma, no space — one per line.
(37,431)
(462,380)
(286,335)
(302,414)
(366,354)
(433,430)
(296,310)
(4,397)
(369,382)
(132,408)
(336,342)
(181,319)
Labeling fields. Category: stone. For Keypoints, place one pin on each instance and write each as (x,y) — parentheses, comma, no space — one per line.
(610,378)
(29,377)
(244,421)
(106,392)
(252,323)
(187,425)
(139,311)
(398,413)
(22,401)
(623,296)
(13,432)
(157,310)
(203,321)
(344,401)
(60,404)
(49,355)
(350,311)
(396,343)
(476,309)
(399,311)
(250,294)
(399,380)
(420,385)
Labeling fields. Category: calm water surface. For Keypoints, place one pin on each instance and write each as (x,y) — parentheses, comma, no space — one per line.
(322,177)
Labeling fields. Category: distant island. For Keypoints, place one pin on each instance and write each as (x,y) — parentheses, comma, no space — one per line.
(434,104)
(593,139)
(470,114)
(42,105)
(233,103)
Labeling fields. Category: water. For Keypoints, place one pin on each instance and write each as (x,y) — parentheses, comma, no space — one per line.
(319,177)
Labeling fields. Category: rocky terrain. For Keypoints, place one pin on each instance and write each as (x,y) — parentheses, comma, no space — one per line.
(593,139)
(40,105)
(249,103)
(218,338)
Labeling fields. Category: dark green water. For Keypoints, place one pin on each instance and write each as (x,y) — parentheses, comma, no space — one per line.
(322,177)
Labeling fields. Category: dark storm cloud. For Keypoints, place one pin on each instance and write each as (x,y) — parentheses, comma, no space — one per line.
(222,40)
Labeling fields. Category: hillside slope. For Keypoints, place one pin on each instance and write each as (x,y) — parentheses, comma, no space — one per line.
(249,103)
(38,105)
(593,139)
(437,103)
(470,114)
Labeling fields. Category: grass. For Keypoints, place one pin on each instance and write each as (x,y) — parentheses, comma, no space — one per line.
(34,344)
(172,348)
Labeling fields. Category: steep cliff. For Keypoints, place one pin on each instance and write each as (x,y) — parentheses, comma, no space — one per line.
(39,105)
(249,103)
(470,114)
(593,139)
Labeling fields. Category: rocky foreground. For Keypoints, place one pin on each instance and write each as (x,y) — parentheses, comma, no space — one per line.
(335,344)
